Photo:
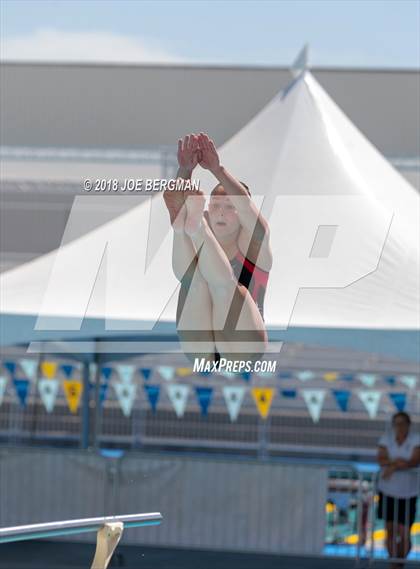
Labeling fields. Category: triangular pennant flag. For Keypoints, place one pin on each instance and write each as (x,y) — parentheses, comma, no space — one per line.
(266,374)
(399,400)
(229,374)
(106,372)
(205,373)
(347,377)
(314,399)
(67,369)
(167,372)
(330,376)
(184,371)
(204,396)
(246,375)
(73,390)
(125,372)
(178,395)
(288,393)
(305,375)
(29,367)
(285,375)
(409,381)
(22,389)
(234,395)
(48,389)
(342,398)
(49,369)
(11,367)
(153,392)
(368,379)
(103,391)
(3,383)
(370,400)
(93,368)
(263,397)
(146,372)
(126,394)
(390,379)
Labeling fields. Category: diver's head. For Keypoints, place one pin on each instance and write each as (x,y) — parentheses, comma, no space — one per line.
(224,219)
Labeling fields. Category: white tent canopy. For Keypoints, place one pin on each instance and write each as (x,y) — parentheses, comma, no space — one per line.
(344,230)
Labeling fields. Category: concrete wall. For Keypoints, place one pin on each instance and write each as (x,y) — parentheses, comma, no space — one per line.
(130,106)
(206,502)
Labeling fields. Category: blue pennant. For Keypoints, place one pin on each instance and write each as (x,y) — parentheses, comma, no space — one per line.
(342,398)
(285,375)
(11,367)
(67,370)
(347,377)
(153,392)
(289,393)
(390,379)
(146,372)
(106,372)
(205,373)
(103,390)
(204,396)
(22,388)
(246,375)
(399,400)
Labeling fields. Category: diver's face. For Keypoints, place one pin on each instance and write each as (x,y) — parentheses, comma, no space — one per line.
(223,216)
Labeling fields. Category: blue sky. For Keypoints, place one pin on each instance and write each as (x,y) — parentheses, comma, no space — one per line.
(355,33)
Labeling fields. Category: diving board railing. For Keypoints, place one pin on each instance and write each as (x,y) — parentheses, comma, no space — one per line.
(109,531)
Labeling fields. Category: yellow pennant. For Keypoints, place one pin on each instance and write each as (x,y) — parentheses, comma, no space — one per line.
(49,369)
(330,376)
(184,371)
(263,397)
(73,390)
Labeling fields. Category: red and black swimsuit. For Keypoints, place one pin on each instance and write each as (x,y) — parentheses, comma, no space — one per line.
(251,276)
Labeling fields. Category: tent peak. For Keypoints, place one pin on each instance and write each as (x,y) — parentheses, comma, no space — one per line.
(301,63)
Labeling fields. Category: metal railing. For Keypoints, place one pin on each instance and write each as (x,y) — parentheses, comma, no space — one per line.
(343,494)
(394,531)
(108,529)
(288,429)
(71,527)
(354,527)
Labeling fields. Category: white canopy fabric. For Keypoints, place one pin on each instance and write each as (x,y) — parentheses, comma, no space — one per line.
(344,229)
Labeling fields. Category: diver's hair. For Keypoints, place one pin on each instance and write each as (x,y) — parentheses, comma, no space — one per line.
(403,415)
(242,184)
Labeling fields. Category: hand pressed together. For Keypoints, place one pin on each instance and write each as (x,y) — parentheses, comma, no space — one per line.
(196,149)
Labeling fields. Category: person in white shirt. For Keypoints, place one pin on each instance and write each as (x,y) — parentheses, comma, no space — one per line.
(399,457)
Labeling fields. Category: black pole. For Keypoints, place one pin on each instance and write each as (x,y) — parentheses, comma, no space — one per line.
(84,442)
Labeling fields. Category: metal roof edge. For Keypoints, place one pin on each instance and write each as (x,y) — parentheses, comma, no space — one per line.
(209,67)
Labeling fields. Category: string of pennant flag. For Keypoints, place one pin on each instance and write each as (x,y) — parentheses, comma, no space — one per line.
(24,372)
(126,372)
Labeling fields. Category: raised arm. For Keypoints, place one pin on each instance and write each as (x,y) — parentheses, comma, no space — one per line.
(248,214)
(187,156)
